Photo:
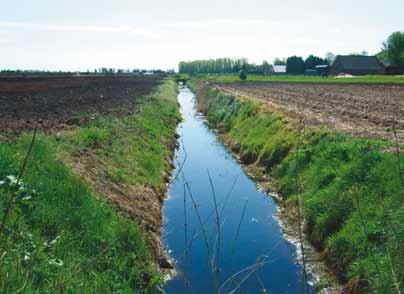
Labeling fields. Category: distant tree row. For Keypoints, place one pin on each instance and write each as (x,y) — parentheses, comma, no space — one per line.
(294,64)
(101,71)
(224,66)
(218,66)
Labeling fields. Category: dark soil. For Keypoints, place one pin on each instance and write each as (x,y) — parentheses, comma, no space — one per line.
(364,110)
(57,102)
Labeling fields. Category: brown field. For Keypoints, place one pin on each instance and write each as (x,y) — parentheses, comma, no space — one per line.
(57,102)
(364,110)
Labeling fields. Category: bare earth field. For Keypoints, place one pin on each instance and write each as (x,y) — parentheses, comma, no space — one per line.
(364,110)
(57,102)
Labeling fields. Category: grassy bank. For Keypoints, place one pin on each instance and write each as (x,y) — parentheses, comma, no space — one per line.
(62,235)
(371,79)
(350,188)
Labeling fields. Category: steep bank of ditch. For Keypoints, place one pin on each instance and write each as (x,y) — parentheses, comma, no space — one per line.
(62,233)
(350,188)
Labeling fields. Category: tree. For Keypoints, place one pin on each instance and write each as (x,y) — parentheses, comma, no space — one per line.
(267,69)
(278,61)
(330,57)
(312,61)
(243,75)
(295,65)
(394,49)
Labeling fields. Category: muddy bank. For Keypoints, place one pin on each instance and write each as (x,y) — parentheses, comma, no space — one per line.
(141,203)
(128,159)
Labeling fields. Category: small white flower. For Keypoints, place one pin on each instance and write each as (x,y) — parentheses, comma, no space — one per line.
(12,179)
(2,183)
(54,241)
(51,243)
(56,262)
(26,197)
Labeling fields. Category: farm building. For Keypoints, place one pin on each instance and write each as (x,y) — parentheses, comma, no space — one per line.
(323,69)
(311,72)
(356,65)
(279,69)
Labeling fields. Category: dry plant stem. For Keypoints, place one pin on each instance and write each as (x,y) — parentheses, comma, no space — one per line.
(22,169)
(233,246)
(400,173)
(250,270)
(205,237)
(185,239)
(228,195)
(299,207)
(195,235)
(217,266)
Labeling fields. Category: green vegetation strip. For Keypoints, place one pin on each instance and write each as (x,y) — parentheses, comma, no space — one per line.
(351,189)
(371,79)
(59,237)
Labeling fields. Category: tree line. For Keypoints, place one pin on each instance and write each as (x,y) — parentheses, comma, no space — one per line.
(294,65)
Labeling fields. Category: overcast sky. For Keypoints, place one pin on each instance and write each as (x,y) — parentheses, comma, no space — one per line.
(88,34)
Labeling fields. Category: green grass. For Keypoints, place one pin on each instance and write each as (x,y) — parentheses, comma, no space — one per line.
(370,79)
(352,194)
(60,237)
(134,148)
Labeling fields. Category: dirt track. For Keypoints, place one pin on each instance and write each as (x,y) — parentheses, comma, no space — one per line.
(56,102)
(364,110)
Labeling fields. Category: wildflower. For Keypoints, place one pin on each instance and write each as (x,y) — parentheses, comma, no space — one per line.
(56,262)
(51,243)
(54,241)
(12,179)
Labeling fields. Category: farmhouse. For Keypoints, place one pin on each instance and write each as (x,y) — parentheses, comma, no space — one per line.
(356,65)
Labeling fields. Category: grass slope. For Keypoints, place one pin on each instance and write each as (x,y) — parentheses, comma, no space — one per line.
(352,194)
(59,237)
(370,79)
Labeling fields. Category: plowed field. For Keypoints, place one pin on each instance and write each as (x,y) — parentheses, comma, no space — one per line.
(57,102)
(364,110)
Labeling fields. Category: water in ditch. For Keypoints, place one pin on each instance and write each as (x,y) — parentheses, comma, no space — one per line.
(251,254)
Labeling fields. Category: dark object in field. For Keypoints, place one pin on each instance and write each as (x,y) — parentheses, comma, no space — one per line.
(63,101)
(242,75)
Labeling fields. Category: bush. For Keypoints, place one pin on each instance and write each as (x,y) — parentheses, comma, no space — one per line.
(242,75)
